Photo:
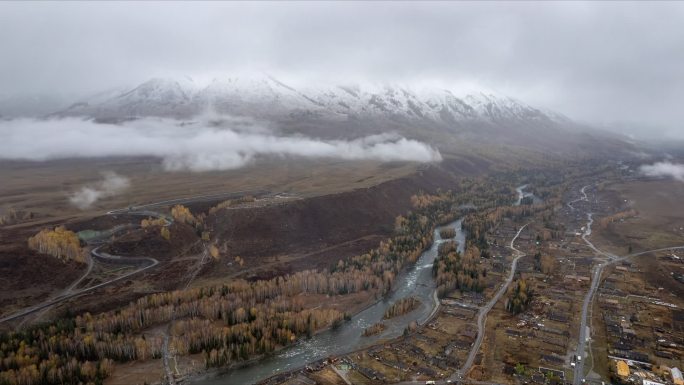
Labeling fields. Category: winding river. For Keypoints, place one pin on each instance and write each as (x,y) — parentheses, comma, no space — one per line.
(416,281)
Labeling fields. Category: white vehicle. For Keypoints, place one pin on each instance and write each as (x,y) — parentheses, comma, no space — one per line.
(429,382)
(579,358)
(572,364)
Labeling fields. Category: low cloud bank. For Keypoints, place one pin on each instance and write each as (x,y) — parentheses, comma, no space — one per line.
(110,185)
(666,169)
(197,146)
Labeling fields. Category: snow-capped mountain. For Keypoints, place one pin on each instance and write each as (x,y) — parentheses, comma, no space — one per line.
(454,120)
(156,97)
(268,98)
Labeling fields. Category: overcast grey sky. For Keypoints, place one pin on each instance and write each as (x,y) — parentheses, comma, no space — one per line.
(597,62)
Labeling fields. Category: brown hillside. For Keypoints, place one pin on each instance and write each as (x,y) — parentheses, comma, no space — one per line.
(318,231)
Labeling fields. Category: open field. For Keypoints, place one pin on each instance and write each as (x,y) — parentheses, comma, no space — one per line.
(660,220)
(43,188)
(659,223)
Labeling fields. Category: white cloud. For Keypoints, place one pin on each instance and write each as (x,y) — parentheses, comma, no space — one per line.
(667,169)
(534,51)
(194,147)
(111,185)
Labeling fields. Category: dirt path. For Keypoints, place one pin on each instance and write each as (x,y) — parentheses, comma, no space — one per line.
(56,300)
(484,311)
(70,291)
(67,291)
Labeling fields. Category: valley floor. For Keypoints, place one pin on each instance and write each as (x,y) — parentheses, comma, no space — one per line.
(633,316)
(584,254)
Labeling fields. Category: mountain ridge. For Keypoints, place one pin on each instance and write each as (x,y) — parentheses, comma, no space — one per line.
(455,121)
(272,98)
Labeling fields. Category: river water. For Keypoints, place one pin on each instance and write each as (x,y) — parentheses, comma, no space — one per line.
(417,281)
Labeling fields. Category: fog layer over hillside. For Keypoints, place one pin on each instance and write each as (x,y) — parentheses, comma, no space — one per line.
(664,169)
(597,62)
(195,146)
(111,184)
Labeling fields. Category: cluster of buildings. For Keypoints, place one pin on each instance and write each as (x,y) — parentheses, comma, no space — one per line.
(644,333)
(629,372)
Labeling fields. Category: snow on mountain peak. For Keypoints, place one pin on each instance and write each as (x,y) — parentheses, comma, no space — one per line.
(266,96)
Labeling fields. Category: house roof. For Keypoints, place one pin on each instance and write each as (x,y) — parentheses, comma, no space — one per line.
(622,369)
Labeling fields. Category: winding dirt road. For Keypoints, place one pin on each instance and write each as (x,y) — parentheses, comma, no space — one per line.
(74,293)
(140,210)
(95,254)
(69,290)
(484,311)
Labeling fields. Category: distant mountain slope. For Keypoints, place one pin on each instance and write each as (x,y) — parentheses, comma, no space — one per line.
(269,97)
(454,121)
(31,105)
